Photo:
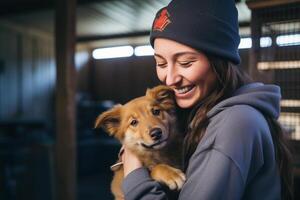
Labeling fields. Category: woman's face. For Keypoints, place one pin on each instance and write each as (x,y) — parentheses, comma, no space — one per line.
(184,69)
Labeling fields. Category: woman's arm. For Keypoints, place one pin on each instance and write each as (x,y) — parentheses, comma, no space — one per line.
(137,184)
(211,175)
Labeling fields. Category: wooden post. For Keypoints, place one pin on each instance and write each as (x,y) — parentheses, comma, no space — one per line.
(255,50)
(65,147)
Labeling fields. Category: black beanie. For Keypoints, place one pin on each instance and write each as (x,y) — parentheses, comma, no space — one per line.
(210,26)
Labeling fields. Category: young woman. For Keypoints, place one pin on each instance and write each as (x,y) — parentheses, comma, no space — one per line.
(234,147)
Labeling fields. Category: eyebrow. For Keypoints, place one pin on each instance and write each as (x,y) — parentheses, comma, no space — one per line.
(178,54)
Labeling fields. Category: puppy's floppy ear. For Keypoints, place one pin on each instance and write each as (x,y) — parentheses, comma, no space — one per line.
(163,94)
(110,120)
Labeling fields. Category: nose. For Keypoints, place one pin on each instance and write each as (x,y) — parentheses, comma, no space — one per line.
(156,134)
(172,77)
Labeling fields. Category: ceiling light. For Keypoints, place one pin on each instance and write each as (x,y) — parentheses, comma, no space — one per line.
(113,52)
(288,40)
(145,50)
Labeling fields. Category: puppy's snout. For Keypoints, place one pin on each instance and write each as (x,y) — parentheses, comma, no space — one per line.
(156,134)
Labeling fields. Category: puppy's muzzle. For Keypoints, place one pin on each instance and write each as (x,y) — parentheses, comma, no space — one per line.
(156,134)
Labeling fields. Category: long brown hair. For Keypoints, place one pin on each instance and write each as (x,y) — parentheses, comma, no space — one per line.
(229,79)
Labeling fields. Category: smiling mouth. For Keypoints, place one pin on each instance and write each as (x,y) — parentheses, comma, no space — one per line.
(184,90)
(151,146)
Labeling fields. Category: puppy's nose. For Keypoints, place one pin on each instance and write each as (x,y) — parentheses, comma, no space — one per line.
(156,133)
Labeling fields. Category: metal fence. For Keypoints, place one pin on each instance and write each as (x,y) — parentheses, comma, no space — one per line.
(275,57)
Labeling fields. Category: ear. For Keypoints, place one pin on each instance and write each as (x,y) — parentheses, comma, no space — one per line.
(110,120)
(163,94)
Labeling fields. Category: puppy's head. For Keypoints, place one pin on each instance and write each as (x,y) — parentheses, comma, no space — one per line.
(144,123)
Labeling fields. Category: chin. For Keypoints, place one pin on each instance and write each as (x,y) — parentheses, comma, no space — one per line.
(185,103)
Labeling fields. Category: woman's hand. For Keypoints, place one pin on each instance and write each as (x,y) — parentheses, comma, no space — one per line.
(130,161)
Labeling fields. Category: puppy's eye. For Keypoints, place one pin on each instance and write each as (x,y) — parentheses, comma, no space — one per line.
(134,122)
(155,111)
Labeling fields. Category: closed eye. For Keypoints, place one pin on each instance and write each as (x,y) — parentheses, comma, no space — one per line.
(161,65)
(186,64)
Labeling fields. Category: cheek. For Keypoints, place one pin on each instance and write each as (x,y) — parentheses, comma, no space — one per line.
(198,75)
(208,81)
(130,137)
(201,72)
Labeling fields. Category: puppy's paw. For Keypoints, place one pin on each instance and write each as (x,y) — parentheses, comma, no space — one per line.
(172,177)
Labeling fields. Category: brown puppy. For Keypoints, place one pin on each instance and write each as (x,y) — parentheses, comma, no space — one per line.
(148,126)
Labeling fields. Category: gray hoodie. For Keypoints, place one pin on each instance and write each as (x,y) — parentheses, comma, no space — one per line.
(234,160)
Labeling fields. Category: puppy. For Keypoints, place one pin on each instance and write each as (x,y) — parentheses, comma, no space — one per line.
(149,127)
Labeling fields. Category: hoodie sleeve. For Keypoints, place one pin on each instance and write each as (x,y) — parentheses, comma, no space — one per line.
(138,185)
(215,177)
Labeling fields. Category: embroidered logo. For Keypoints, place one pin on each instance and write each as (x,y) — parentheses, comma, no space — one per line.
(162,20)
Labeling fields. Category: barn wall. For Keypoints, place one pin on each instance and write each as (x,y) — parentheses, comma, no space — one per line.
(27,73)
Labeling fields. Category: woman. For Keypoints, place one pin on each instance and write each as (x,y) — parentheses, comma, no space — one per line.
(234,147)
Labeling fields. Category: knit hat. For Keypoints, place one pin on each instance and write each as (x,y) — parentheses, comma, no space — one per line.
(210,26)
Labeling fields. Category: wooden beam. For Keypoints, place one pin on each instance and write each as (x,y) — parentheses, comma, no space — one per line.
(21,6)
(90,38)
(11,7)
(65,146)
(257,4)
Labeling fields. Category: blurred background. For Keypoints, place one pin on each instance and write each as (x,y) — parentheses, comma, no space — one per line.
(63,63)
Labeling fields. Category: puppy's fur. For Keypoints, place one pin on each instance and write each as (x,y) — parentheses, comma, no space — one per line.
(148,126)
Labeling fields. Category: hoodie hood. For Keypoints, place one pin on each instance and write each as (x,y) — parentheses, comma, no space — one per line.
(265,98)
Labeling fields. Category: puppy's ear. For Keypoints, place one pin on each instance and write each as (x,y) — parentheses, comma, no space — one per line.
(163,94)
(110,120)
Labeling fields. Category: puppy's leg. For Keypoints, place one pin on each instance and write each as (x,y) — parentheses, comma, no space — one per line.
(172,177)
(117,183)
